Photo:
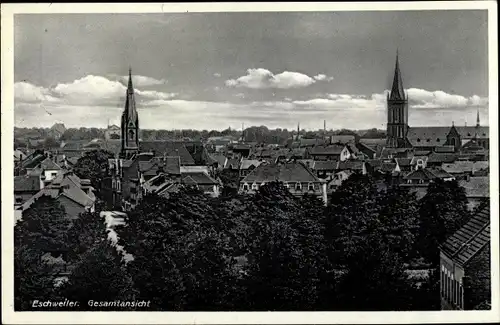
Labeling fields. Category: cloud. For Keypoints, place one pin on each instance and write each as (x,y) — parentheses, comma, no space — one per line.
(420,98)
(321,77)
(143,81)
(90,90)
(26,92)
(218,75)
(92,100)
(265,79)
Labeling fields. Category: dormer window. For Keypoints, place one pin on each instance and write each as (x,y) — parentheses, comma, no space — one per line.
(310,186)
(418,140)
(438,140)
(298,186)
(428,140)
(468,134)
(245,187)
(255,186)
(286,185)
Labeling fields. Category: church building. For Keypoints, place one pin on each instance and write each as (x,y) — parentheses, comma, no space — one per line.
(401,135)
(129,124)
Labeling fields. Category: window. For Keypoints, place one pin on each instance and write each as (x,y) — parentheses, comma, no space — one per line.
(310,187)
(131,134)
(19,199)
(245,187)
(113,184)
(54,174)
(428,140)
(298,186)
(438,140)
(254,186)
(118,186)
(286,184)
(418,139)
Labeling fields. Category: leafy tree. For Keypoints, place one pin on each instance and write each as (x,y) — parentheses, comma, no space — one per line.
(286,251)
(43,226)
(443,210)
(93,165)
(87,232)
(181,258)
(33,278)
(42,229)
(100,275)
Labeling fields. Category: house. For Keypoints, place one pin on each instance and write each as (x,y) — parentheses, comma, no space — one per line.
(330,152)
(247,165)
(342,139)
(167,148)
(476,189)
(19,156)
(74,194)
(29,163)
(465,265)
(203,182)
(49,169)
(25,186)
(113,132)
(324,169)
(296,177)
(337,180)
(57,130)
(370,152)
(461,169)
(418,162)
(437,159)
(357,166)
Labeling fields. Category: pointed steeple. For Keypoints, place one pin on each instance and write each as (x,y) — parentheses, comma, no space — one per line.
(397,90)
(478,122)
(130,109)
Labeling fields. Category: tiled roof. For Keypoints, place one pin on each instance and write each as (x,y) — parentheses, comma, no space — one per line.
(466,242)
(350,164)
(343,139)
(440,173)
(404,162)
(387,167)
(424,174)
(233,163)
(419,152)
(415,159)
(168,148)
(66,184)
(48,164)
(289,172)
(311,142)
(374,163)
(465,166)
(373,142)
(448,149)
(74,144)
(168,165)
(468,132)
(326,150)
(428,136)
(476,186)
(199,178)
(324,165)
(442,157)
(26,183)
(246,163)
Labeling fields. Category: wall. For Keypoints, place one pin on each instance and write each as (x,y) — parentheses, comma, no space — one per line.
(451,284)
(72,208)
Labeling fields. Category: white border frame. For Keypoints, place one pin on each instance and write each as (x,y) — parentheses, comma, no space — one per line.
(7,104)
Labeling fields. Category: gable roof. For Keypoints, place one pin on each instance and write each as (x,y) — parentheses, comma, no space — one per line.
(26,183)
(167,165)
(466,242)
(476,186)
(288,172)
(350,164)
(342,139)
(198,178)
(423,174)
(324,165)
(465,166)
(469,132)
(333,149)
(246,163)
(168,148)
(428,136)
(435,157)
(48,164)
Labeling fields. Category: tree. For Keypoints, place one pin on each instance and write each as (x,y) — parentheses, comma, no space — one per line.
(100,275)
(87,232)
(93,165)
(285,264)
(42,229)
(443,210)
(182,260)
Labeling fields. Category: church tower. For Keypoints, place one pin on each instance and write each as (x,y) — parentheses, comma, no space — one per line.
(397,112)
(130,123)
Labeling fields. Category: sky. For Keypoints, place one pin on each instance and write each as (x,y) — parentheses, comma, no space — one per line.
(278,69)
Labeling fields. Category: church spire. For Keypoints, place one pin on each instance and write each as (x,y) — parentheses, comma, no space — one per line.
(397,90)
(130,109)
(478,123)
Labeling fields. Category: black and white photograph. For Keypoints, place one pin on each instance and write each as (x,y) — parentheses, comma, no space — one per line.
(242,160)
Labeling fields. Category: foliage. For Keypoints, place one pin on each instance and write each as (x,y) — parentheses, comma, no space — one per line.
(87,232)
(93,165)
(182,260)
(443,210)
(41,230)
(43,226)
